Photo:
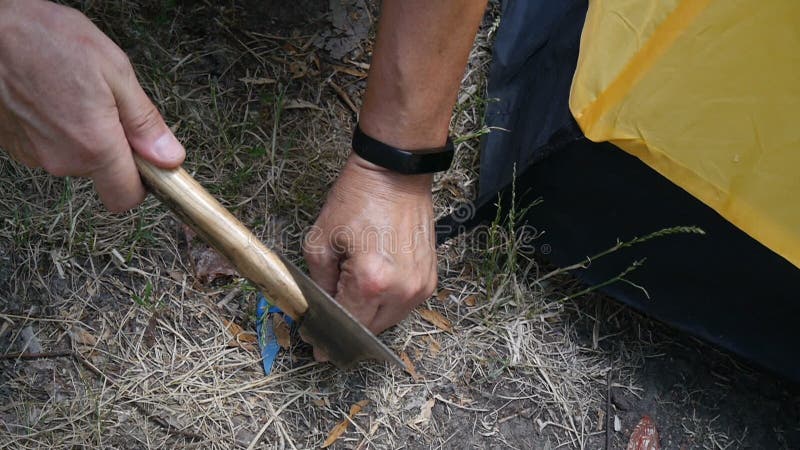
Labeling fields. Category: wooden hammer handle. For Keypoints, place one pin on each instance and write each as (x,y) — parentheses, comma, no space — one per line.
(217,226)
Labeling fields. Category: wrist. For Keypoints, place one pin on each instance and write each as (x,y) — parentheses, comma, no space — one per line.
(405,130)
(376,176)
(411,161)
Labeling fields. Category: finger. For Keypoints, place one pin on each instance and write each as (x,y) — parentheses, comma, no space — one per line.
(21,150)
(22,158)
(389,315)
(356,292)
(351,296)
(117,182)
(323,262)
(320,356)
(148,134)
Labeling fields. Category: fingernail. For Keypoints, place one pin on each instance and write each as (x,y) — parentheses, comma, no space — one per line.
(167,148)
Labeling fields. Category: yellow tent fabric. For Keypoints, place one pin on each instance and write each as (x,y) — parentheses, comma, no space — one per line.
(707,93)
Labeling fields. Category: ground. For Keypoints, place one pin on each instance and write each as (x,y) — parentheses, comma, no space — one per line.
(262,94)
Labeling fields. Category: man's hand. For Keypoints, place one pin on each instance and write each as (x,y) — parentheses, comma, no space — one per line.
(373,244)
(372,247)
(70,102)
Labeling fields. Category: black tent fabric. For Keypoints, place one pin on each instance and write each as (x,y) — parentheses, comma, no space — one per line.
(724,287)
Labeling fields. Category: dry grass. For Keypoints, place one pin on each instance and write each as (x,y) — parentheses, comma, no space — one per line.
(265,131)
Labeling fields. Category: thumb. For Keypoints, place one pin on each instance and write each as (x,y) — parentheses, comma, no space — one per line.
(144,127)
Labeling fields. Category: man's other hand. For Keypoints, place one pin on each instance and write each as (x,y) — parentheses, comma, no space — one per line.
(372,247)
(70,102)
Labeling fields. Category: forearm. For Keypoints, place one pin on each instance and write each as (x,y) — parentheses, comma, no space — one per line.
(417,66)
(418,62)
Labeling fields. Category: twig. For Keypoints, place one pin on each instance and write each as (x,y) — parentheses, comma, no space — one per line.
(343,95)
(515,415)
(608,408)
(466,408)
(229,296)
(26,356)
(273,415)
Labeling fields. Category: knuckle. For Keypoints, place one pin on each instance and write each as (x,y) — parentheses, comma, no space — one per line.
(60,13)
(92,155)
(313,258)
(429,286)
(375,283)
(145,120)
(90,141)
(420,289)
(410,294)
(56,168)
(308,253)
(313,246)
(121,60)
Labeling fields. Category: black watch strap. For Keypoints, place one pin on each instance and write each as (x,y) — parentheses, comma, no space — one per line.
(403,161)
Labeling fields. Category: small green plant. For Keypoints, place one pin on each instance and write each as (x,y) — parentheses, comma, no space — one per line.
(472,135)
(140,234)
(145,300)
(66,194)
(259,151)
(501,263)
(238,181)
(622,276)
(24,223)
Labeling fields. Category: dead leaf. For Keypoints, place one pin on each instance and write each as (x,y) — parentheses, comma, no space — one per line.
(433,345)
(425,412)
(283,333)
(298,69)
(242,339)
(321,402)
(149,335)
(350,71)
(176,275)
(436,319)
(207,264)
(360,64)
(341,427)
(409,366)
(81,336)
(470,301)
(601,419)
(443,295)
(644,436)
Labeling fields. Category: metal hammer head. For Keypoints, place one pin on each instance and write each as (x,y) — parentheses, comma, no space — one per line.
(329,327)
